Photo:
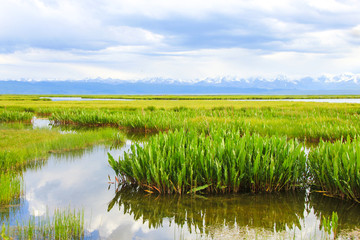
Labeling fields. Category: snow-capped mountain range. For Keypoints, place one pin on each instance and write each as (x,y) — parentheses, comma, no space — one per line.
(325,84)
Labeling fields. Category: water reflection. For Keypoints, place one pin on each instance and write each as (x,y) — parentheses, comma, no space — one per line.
(291,214)
(323,100)
(9,212)
(268,211)
(56,99)
(348,211)
(41,123)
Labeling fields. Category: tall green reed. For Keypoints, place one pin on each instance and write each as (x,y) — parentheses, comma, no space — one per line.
(221,160)
(335,168)
(15,116)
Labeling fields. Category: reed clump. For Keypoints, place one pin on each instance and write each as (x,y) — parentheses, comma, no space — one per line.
(64,224)
(11,187)
(15,116)
(335,168)
(218,161)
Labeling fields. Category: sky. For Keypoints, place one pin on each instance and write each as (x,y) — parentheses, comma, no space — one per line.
(184,40)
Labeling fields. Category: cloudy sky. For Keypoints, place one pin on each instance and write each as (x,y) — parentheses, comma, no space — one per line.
(187,39)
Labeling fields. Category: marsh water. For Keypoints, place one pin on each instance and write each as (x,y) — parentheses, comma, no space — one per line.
(326,100)
(55,99)
(80,179)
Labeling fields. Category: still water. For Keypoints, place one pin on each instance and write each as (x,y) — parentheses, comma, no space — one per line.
(330,100)
(55,99)
(324,100)
(80,179)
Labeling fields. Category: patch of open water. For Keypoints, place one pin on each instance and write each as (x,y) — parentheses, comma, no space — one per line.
(55,99)
(324,100)
(80,179)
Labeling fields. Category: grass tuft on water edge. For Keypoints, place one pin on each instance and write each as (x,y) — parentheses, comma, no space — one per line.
(65,224)
(11,186)
(220,161)
(335,168)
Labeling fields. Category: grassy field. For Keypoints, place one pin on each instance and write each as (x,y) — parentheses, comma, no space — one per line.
(305,121)
(277,120)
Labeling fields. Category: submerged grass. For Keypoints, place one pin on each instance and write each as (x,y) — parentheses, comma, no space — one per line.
(11,187)
(335,168)
(65,224)
(219,161)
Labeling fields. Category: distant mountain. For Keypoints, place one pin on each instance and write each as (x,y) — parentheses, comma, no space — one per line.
(340,84)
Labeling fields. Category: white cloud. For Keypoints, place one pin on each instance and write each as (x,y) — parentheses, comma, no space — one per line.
(188,39)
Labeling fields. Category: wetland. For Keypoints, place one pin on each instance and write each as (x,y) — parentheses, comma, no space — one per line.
(55,157)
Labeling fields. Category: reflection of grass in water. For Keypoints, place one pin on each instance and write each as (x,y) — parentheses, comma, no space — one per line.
(204,213)
(11,209)
(348,211)
(65,224)
(24,148)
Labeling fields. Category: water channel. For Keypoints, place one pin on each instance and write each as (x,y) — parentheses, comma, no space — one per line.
(325,100)
(80,179)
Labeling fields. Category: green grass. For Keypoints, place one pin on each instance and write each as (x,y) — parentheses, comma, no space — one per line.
(335,168)
(303,120)
(15,116)
(18,148)
(65,224)
(220,161)
(298,121)
(11,187)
